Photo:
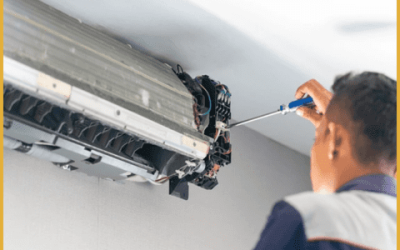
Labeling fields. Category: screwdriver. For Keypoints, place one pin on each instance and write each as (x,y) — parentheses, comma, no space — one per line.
(283,109)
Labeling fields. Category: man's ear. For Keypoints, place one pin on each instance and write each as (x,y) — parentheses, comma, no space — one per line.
(335,140)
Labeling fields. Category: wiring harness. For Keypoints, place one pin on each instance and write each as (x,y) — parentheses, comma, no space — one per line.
(212,114)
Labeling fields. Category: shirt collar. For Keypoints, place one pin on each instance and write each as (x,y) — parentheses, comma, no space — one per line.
(378,183)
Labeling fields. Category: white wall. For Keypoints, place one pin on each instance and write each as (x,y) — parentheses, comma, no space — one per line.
(49,208)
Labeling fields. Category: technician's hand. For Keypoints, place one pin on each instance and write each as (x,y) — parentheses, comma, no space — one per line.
(321,97)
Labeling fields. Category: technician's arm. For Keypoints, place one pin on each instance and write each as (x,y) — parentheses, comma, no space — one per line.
(321,97)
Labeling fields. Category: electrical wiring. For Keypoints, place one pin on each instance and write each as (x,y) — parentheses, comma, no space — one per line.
(226,87)
(179,69)
(229,151)
(166,178)
(222,86)
(226,140)
(162,180)
(209,99)
(217,132)
(209,123)
(208,94)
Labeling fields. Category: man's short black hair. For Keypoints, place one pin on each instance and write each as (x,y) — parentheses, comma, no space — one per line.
(370,100)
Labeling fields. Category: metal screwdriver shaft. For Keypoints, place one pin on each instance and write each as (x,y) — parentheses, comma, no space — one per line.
(255,119)
(283,109)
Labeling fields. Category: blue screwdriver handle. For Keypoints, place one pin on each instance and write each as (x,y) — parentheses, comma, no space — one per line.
(301,102)
(291,107)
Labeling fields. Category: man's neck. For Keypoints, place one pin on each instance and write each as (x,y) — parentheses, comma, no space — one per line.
(350,172)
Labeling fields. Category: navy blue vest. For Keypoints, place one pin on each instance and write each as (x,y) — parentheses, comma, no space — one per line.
(360,215)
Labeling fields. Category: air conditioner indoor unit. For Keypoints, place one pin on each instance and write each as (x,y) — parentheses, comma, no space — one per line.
(89,103)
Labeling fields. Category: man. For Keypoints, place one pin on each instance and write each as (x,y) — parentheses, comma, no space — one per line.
(353,164)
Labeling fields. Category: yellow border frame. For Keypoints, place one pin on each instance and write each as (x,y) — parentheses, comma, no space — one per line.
(1,127)
(1,135)
(398,112)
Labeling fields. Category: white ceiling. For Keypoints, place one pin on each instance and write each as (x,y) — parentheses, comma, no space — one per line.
(263,50)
